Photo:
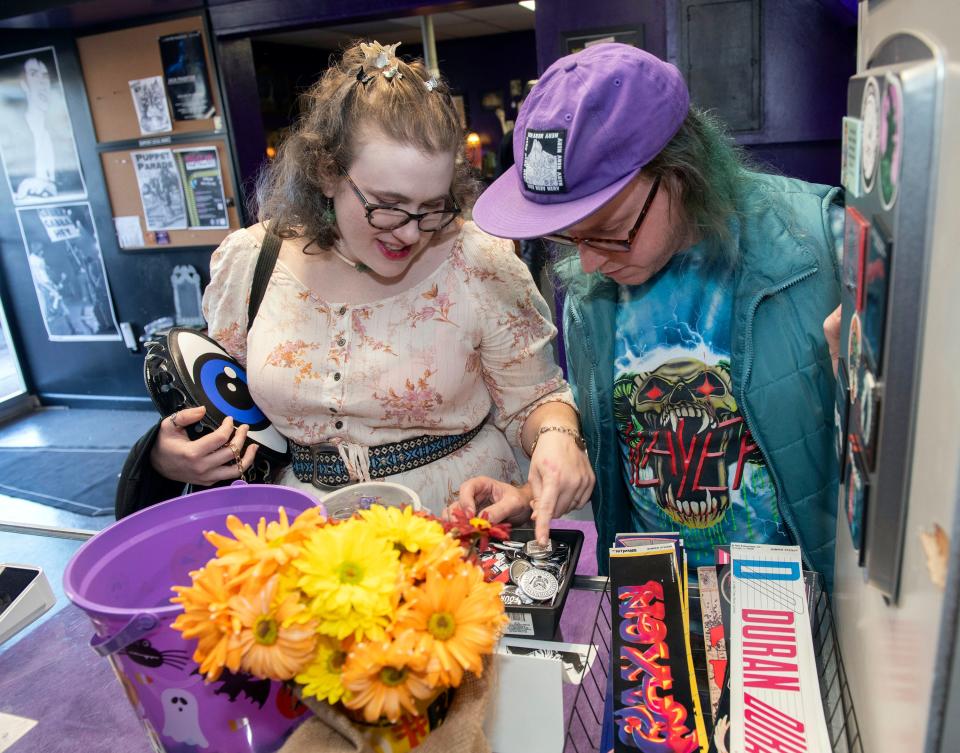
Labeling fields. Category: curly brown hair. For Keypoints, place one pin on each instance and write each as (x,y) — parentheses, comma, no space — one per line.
(353,93)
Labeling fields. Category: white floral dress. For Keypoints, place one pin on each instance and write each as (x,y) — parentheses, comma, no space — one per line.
(471,339)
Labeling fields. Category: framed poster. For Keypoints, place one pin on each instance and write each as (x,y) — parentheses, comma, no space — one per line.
(69,278)
(37,145)
(575,41)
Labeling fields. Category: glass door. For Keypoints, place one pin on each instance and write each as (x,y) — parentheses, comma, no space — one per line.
(13,390)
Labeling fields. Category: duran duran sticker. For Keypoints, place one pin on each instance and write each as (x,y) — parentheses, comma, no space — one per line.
(543,153)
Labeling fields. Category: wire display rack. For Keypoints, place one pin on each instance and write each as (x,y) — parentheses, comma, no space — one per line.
(585,716)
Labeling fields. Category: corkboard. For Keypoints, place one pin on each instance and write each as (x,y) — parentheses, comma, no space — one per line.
(110,61)
(124,193)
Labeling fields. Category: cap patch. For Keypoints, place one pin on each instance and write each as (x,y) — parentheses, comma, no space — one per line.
(543,161)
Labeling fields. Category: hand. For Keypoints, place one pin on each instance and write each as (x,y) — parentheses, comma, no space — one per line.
(203,461)
(498,501)
(561,479)
(831,331)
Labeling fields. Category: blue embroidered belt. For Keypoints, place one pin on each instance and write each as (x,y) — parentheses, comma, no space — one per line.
(321,464)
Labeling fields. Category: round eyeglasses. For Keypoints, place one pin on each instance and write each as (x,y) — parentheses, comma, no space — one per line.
(387,217)
(610,245)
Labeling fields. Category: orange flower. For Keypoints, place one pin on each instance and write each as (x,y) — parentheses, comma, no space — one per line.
(268,548)
(457,618)
(271,646)
(206,616)
(384,678)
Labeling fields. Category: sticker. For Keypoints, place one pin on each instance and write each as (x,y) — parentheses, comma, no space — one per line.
(891,141)
(543,153)
(855,228)
(850,153)
(868,416)
(857,495)
(162,237)
(854,355)
(870,137)
(876,281)
(840,413)
(521,623)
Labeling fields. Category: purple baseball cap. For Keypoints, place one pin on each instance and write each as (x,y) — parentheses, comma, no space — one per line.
(593,120)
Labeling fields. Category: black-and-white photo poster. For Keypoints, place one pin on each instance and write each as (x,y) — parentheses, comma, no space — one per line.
(150,102)
(161,191)
(66,264)
(36,137)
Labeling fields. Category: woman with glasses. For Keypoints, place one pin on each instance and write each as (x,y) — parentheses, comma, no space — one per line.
(406,343)
(696,293)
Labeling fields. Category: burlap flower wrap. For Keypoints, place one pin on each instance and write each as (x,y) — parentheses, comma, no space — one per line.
(331,731)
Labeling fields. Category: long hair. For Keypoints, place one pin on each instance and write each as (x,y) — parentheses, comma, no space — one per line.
(354,94)
(708,174)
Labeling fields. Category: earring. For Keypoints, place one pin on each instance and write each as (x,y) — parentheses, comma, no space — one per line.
(329,216)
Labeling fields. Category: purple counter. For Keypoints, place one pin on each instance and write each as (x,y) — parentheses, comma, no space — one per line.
(53,676)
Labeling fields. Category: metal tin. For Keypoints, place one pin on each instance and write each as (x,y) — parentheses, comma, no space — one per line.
(538,551)
(517,568)
(539,584)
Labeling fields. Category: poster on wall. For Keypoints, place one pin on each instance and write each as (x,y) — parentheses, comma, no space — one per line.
(203,187)
(161,191)
(69,278)
(150,102)
(185,72)
(36,137)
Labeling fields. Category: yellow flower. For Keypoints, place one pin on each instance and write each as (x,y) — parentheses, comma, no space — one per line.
(207,618)
(268,548)
(384,678)
(351,578)
(271,646)
(323,678)
(408,532)
(457,618)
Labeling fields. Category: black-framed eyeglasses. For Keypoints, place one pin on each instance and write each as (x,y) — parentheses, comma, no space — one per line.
(388,217)
(611,244)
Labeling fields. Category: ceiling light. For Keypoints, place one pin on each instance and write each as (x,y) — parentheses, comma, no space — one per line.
(530,5)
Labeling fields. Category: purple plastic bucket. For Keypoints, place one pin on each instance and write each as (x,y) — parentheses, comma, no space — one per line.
(122,577)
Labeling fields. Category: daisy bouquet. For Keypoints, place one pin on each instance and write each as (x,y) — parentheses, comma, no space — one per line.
(376,614)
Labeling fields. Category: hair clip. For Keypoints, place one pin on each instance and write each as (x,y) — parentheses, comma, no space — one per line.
(391,72)
(431,83)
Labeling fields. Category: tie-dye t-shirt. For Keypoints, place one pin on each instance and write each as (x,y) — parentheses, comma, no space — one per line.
(688,457)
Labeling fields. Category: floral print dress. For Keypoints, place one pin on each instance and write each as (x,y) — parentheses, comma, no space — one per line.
(471,340)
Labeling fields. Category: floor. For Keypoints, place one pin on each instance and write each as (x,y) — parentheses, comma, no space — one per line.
(59,427)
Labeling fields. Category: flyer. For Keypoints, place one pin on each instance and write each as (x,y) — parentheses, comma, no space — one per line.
(150,102)
(203,187)
(161,191)
(185,73)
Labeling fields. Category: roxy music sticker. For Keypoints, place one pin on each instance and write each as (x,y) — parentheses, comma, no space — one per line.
(543,161)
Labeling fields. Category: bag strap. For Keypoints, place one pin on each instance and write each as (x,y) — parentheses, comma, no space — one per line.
(266,261)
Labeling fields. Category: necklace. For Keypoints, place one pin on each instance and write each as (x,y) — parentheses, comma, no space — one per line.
(357,265)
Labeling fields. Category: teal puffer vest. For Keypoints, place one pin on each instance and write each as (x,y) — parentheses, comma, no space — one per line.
(787,282)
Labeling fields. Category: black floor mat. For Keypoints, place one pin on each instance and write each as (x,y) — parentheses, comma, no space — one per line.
(79,480)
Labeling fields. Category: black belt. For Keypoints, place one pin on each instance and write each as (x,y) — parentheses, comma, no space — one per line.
(321,464)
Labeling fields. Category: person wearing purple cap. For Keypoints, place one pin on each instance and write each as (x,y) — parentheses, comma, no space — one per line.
(693,314)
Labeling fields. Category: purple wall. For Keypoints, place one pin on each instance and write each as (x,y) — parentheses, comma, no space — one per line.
(555,17)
